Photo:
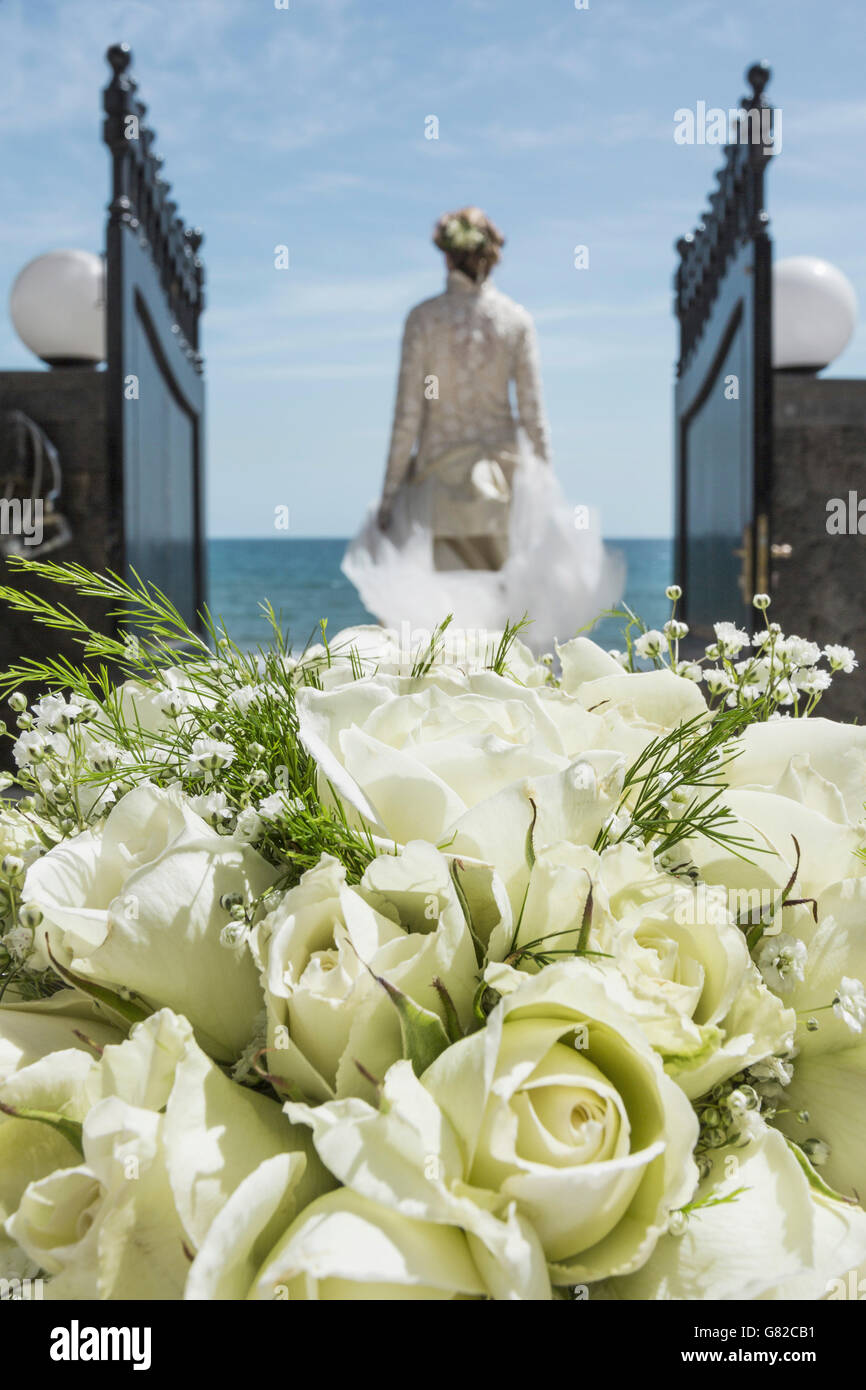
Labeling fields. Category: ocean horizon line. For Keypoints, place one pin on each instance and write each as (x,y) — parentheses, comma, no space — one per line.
(281,540)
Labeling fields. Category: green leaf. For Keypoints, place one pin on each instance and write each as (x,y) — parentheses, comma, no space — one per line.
(586,922)
(423,1034)
(815,1179)
(484,1002)
(530,845)
(70,1129)
(126,1009)
(452,1022)
(711,1199)
(510,633)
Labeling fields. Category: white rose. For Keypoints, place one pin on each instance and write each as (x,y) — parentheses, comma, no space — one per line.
(771,823)
(397,651)
(589,1145)
(343,1246)
(758,1229)
(816,762)
(697,995)
(30,1029)
(405,1156)
(583,660)
(706,1009)
(410,757)
(635,707)
(66,1023)
(512,828)
(829,1081)
(137,906)
(323,949)
(164,1138)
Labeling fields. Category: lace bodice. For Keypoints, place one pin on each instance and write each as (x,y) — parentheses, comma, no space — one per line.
(461,350)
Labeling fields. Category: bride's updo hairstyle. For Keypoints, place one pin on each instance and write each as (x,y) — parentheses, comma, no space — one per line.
(473,242)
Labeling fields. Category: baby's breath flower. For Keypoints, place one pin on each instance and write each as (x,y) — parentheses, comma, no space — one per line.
(673,592)
(649,643)
(212,807)
(103,756)
(812,682)
(617,824)
(172,701)
(675,630)
(754,671)
(785,692)
(244,697)
(717,680)
(731,639)
(746,695)
(690,671)
(18,942)
(277,806)
(782,960)
(87,709)
(771,1075)
(55,713)
(841,659)
(761,602)
(798,652)
(248,827)
(209,755)
(17,701)
(620,657)
(849,1004)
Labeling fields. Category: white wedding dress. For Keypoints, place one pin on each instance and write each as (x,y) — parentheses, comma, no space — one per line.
(479,525)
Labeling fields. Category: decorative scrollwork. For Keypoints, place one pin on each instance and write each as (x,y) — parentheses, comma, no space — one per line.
(735,215)
(140,201)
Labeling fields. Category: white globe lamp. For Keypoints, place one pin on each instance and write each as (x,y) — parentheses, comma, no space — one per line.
(57,305)
(814,313)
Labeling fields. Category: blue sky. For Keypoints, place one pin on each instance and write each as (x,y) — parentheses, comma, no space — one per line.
(305,127)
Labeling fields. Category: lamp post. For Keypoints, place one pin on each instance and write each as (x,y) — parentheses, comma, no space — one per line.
(819,443)
(814,314)
(57,306)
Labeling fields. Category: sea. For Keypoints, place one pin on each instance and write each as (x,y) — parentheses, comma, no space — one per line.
(303,580)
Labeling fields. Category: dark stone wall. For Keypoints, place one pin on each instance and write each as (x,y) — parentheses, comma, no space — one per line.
(819,441)
(70,406)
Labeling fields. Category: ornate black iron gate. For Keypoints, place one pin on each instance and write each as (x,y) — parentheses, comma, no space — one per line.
(155,382)
(723,396)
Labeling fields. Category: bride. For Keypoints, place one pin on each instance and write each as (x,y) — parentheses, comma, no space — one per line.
(472,521)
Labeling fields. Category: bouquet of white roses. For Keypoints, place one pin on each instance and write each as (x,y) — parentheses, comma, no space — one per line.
(405,968)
